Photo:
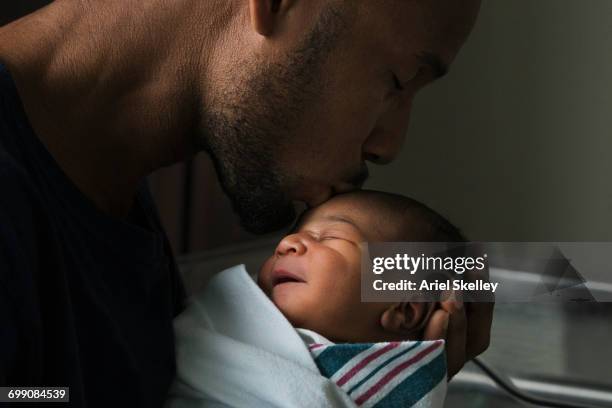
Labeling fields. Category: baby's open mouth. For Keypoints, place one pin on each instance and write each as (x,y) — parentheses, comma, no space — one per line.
(282,276)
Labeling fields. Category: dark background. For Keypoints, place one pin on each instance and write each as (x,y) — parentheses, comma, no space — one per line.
(13,9)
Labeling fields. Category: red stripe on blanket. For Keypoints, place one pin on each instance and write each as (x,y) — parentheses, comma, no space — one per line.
(391,374)
(351,373)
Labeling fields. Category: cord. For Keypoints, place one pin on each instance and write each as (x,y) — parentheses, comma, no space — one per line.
(504,383)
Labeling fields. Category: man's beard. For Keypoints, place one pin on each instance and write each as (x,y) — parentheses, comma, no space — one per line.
(250,128)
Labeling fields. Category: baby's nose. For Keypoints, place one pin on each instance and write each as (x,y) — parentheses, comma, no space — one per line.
(291,245)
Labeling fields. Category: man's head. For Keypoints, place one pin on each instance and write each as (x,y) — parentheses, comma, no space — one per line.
(303,93)
(314,275)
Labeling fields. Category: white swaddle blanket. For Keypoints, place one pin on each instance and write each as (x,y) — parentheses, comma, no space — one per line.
(236,349)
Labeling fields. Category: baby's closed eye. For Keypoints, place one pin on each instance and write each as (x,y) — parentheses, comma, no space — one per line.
(338,236)
(329,237)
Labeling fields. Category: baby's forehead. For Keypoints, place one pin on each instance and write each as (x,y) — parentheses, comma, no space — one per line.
(379,216)
(371,219)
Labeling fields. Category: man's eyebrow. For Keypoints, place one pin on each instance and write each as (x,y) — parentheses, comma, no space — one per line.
(439,67)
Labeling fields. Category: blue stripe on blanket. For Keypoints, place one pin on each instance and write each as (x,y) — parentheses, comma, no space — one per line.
(334,358)
(416,386)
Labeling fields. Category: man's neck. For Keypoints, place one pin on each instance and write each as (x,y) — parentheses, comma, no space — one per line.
(112,99)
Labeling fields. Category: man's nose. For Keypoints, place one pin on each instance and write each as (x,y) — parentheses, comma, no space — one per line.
(291,245)
(385,141)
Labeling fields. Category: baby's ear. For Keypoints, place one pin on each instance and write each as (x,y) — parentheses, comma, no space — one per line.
(406,318)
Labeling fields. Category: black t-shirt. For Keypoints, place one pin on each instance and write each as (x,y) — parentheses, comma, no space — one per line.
(86,300)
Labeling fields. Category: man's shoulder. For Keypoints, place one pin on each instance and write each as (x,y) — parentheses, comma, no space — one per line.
(19,205)
(16,189)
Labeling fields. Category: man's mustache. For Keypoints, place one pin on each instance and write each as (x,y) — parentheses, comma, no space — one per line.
(360,178)
(355,182)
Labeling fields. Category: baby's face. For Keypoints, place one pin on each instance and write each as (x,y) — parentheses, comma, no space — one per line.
(314,275)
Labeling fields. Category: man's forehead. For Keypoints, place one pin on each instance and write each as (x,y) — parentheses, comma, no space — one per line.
(411,28)
(435,16)
(450,22)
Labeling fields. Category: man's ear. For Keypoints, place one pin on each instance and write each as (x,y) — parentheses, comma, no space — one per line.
(264,14)
(406,317)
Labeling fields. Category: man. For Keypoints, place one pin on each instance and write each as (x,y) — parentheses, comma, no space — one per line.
(289,98)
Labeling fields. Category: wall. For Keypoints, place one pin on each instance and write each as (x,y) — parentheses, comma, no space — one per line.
(515,144)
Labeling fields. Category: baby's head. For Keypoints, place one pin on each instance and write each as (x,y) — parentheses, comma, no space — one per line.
(314,275)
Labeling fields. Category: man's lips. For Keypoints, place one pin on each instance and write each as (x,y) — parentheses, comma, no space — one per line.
(314,193)
(324,195)
(281,276)
(328,192)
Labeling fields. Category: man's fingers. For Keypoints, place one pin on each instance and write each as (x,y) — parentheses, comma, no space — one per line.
(437,326)
(479,317)
(466,329)
(479,321)
(456,336)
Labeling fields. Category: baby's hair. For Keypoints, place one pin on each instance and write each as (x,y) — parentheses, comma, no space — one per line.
(439,229)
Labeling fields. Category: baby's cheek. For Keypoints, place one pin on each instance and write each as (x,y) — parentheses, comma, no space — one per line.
(294,302)
(264,279)
(305,309)
(330,317)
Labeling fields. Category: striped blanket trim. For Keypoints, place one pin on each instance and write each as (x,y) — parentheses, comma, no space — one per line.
(381,375)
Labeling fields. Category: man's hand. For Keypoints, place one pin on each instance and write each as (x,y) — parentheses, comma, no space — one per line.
(466,329)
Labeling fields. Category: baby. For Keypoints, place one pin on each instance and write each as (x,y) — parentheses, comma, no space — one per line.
(313,277)
(301,337)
